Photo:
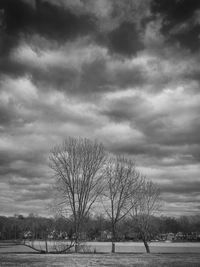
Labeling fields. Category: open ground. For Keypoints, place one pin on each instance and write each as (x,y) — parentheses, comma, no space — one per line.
(166,254)
(106,260)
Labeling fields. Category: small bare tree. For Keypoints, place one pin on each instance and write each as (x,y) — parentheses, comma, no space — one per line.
(77,165)
(122,181)
(144,206)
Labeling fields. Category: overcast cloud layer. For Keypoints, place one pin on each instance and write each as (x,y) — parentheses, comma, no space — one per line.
(124,72)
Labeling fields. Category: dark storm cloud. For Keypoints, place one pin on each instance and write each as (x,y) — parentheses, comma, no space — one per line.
(10,116)
(179,21)
(58,24)
(95,76)
(22,20)
(160,137)
(19,155)
(7,117)
(156,153)
(185,201)
(155,125)
(135,149)
(18,181)
(22,165)
(34,195)
(98,78)
(125,40)
(10,67)
(175,11)
(57,76)
(50,21)
(125,109)
(115,71)
(186,188)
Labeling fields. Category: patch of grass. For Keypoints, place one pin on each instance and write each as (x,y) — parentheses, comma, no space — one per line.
(104,260)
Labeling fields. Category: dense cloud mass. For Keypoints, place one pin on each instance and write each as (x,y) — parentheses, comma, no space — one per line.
(123,72)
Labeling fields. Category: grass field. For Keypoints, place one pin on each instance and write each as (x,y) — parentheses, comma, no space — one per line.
(104,260)
(184,254)
(105,247)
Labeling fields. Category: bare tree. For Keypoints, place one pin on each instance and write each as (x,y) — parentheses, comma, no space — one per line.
(122,182)
(144,206)
(77,165)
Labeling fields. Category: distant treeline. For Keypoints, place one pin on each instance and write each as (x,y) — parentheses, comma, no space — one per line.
(95,228)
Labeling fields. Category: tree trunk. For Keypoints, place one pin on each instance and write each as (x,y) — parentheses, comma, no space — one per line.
(113,247)
(76,247)
(113,237)
(146,246)
(46,245)
(76,244)
(77,236)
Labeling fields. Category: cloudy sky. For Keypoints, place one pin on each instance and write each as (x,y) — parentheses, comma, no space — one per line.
(125,72)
